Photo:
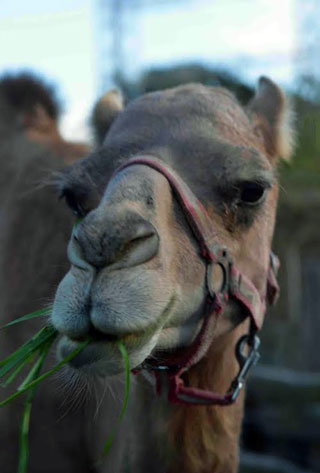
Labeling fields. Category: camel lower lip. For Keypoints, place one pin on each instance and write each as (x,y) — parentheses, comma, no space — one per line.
(102,346)
(104,358)
(68,344)
(91,354)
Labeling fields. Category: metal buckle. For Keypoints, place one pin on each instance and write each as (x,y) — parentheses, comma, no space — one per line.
(145,365)
(245,362)
(274,263)
(222,260)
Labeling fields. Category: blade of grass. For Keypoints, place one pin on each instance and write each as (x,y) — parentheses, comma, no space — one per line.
(32,315)
(37,380)
(24,430)
(42,342)
(16,371)
(34,372)
(26,349)
(41,335)
(127,378)
(79,220)
(25,423)
(125,359)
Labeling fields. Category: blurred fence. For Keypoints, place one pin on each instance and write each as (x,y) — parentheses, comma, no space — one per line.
(281,432)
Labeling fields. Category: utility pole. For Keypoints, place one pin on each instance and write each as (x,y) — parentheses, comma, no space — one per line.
(118,36)
(308,47)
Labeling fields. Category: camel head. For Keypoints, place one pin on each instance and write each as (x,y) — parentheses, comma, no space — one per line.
(32,110)
(136,274)
(30,105)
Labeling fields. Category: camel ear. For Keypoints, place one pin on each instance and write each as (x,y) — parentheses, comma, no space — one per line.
(273,119)
(104,113)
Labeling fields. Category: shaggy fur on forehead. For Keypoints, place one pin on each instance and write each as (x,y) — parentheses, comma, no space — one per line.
(24,91)
(174,124)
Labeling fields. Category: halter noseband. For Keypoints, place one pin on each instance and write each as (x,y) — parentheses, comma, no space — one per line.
(234,285)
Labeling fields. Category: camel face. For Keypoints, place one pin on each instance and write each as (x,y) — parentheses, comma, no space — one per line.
(136,274)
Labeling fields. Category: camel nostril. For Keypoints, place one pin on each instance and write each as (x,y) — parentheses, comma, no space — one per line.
(124,240)
(142,245)
(141,234)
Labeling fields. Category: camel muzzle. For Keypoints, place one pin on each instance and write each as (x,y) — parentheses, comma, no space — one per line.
(130,240)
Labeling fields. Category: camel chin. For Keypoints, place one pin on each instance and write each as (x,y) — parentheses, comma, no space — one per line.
(102,358)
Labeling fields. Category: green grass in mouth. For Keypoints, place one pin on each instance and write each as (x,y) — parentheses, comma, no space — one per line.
(34,352)
(125,359)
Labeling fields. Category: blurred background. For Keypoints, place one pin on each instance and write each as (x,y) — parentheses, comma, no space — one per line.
(84,47)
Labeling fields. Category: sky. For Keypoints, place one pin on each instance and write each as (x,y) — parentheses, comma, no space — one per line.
(69,42)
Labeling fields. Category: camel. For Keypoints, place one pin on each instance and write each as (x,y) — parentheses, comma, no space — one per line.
(35,229)
(33,109)
(170,255)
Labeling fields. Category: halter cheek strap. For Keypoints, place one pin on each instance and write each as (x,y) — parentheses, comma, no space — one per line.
(235,285)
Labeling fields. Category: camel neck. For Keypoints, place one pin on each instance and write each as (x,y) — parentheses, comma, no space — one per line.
(166,438)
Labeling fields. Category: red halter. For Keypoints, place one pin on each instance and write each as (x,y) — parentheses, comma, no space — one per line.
(235,285)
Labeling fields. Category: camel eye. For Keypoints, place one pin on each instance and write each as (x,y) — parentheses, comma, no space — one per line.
(73,203)
(252,193)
